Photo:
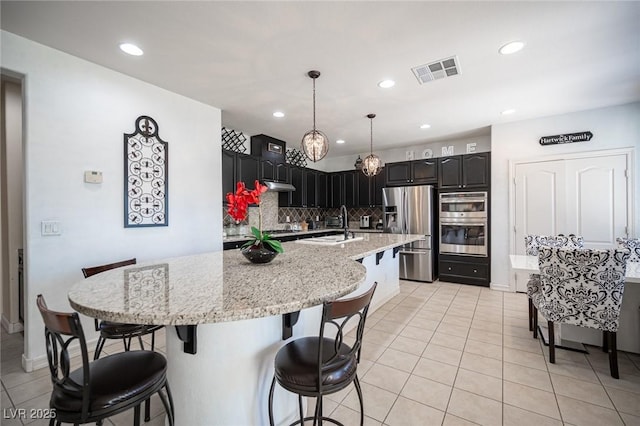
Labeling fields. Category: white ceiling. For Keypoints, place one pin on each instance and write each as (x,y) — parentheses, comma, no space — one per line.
(251,59)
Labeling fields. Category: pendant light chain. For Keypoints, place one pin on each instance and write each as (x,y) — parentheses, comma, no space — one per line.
(371,139)
(314,104)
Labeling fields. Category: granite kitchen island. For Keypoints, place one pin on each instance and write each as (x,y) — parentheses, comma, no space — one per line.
(239,309)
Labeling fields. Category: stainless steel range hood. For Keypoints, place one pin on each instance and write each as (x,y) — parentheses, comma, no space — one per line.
(279,186)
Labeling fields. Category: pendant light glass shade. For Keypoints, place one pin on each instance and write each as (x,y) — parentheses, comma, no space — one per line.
(372,164)
(315,144)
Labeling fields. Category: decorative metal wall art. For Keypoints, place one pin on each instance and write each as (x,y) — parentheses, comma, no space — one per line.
(146,179)
(233,141)
(296,158)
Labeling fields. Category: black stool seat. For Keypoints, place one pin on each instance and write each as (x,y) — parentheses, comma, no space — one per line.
(296,365)
(114,380)
(317,366)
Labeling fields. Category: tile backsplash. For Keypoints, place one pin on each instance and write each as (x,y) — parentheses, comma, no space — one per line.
(274,217)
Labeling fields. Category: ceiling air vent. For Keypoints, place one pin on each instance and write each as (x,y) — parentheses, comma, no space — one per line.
(436,70)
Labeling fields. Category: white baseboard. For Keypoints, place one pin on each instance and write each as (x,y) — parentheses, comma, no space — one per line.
(11,327)
(501,288)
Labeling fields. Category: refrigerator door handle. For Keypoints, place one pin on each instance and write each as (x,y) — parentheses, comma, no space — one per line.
(405,207)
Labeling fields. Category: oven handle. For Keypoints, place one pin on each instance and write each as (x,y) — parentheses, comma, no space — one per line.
(461,223)
(462,200)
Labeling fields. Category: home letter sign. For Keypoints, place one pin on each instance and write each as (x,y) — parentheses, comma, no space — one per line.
(146,181)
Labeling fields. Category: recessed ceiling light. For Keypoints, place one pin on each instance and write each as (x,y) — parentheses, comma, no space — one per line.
(508,111)
(278,114)
(131,49)
(425,126)
(340,141)
(511,47)
(385,84)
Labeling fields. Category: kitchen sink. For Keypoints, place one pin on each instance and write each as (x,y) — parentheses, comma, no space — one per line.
(329,240)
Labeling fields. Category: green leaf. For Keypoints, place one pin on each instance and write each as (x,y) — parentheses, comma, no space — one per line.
(275,244)
(248,243)
(256,233)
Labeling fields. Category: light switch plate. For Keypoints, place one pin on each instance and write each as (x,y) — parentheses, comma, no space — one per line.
(50,228)
(93,176)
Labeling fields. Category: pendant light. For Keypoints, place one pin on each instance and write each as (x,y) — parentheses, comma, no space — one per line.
(371,165)
(315,143)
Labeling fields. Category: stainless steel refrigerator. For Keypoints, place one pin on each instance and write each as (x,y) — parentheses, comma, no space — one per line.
(410,210)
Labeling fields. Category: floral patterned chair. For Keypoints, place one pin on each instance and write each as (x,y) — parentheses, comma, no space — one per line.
(532,244)
(633,244)
(583,287)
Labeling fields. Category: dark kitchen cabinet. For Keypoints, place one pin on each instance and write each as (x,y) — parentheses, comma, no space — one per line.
(228,172)
(418,172)
(370,189)
(465,269)
(238,167)
(311,186)
(424,171)
(378,186)
(247,169)
(322,195)
(272,171)
(296,177)
(465,171)
(337,189)
(350,188)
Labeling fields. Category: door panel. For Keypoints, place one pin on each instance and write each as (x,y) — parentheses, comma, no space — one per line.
(597,209)
(539,200)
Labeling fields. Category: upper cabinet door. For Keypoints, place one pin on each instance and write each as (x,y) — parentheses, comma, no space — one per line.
(350,189)
(364,190)
(297,197)
(337,189)
(398,174)
(476,170)
(450,171)
(424,171)
(228,173)
(322,196)
(311,177)
(248,168)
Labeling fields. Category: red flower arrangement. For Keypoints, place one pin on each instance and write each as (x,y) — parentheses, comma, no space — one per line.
(237,206)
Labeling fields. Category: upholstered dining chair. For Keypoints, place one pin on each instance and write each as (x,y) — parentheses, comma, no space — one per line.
(583,287)
(319,365)
(633,244)
(101,388)
(110,330)
(532,245)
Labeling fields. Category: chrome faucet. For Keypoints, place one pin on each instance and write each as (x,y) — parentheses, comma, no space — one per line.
(345,222)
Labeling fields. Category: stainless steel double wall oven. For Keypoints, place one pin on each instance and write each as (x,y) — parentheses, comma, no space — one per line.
(463,223)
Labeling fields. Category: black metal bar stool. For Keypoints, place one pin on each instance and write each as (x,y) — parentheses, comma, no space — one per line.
(317,366)
(118,331)
(101,388)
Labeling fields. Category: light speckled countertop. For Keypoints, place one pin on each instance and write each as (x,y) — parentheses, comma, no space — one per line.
(223,286)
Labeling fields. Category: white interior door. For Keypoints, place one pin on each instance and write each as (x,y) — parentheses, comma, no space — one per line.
(587,196)
(539,198)
(597,202)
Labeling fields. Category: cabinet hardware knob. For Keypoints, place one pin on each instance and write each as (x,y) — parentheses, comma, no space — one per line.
(449,267)
(475,270)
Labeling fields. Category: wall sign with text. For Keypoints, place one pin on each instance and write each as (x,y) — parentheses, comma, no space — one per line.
(146,181)
(566,138)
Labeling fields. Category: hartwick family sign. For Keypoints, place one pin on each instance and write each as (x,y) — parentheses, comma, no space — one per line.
(566,138)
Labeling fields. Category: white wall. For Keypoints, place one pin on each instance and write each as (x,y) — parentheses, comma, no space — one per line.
(76,114)
(613,127)
(11,217)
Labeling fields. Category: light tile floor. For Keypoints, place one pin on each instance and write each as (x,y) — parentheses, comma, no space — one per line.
(437,354)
